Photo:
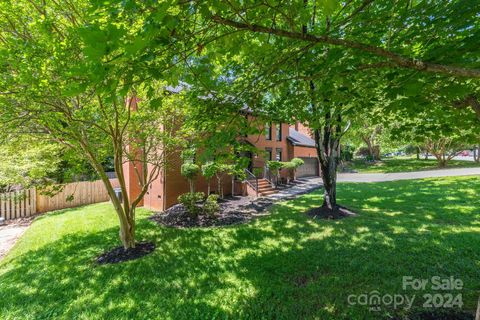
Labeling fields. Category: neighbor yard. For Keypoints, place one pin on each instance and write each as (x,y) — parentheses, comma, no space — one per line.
(282,266)
(405,164)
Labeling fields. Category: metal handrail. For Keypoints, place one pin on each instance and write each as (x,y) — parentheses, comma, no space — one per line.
(267,175)
(250,176)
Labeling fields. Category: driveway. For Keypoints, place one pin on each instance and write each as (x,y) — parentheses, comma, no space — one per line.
(379,177)
(10,232)
(309,184)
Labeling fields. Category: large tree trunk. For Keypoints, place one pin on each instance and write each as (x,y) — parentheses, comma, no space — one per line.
(329,177)
(328,154)
(373,150)
(125,213)
(127,232)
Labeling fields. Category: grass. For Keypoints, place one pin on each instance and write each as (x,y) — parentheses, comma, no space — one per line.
(404,164)
(282,266)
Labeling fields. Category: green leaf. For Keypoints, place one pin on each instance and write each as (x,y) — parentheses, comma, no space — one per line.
(329,6)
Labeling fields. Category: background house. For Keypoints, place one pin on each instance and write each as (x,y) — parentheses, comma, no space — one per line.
(276,141)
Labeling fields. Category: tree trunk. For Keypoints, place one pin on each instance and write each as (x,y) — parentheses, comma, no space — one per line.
(418,153)
(329,177)
(192,187)
(327,151)
(477,316)
(208,187)
(219,187)
(127,234)
(125,213)
(441,160)
(327,142)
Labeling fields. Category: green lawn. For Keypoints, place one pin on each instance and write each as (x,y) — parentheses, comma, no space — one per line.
(283,266)
(404,164)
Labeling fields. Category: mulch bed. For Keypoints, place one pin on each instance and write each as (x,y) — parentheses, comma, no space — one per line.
(324,212)
(119,254)
(233,210)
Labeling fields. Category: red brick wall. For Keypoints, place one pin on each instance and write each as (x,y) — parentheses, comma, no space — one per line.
(176,184)
(304,152)
(155,196)
(164,191)
(261,143)
(131,178)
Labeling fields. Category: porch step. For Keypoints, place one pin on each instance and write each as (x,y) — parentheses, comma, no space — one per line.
(263,182)
(265,187)
(266,193)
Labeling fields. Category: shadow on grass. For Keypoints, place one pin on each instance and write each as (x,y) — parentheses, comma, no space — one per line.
(284,266)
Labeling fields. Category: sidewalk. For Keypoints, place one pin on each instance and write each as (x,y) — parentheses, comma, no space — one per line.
(309,184)
(10,232)
(379,177)
(306,185)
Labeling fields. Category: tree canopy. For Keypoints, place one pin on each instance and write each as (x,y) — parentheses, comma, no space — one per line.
(94,75)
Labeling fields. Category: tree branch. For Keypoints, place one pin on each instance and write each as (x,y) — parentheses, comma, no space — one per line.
(399,60)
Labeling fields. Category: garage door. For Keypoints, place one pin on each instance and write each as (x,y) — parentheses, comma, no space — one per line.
(309,168)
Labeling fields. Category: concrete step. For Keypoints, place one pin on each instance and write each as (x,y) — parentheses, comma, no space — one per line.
(266,189)
(266,185)
(266,193)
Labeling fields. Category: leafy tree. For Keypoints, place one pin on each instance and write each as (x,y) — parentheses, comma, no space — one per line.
(71,71)
(437,131)
(209,169)
(367,129)
(388,43)
(27,161)
(338,40)
(444,149)
(189,168)
(223,170)
(296,163)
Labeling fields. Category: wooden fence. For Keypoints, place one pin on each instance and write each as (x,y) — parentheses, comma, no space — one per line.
(17,204)
(25,203)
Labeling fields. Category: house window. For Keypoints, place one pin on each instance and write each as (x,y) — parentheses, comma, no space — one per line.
(268,154)
(278,131)
(278,155)
(268,131)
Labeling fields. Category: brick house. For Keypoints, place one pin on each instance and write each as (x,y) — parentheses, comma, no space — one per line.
(277,141)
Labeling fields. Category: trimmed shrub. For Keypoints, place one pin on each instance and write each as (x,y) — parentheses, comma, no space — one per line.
(294,164)
(190,201)
(211,206)
(275,166)
(297,162)
(209,170)
(190,171)
(288,165)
